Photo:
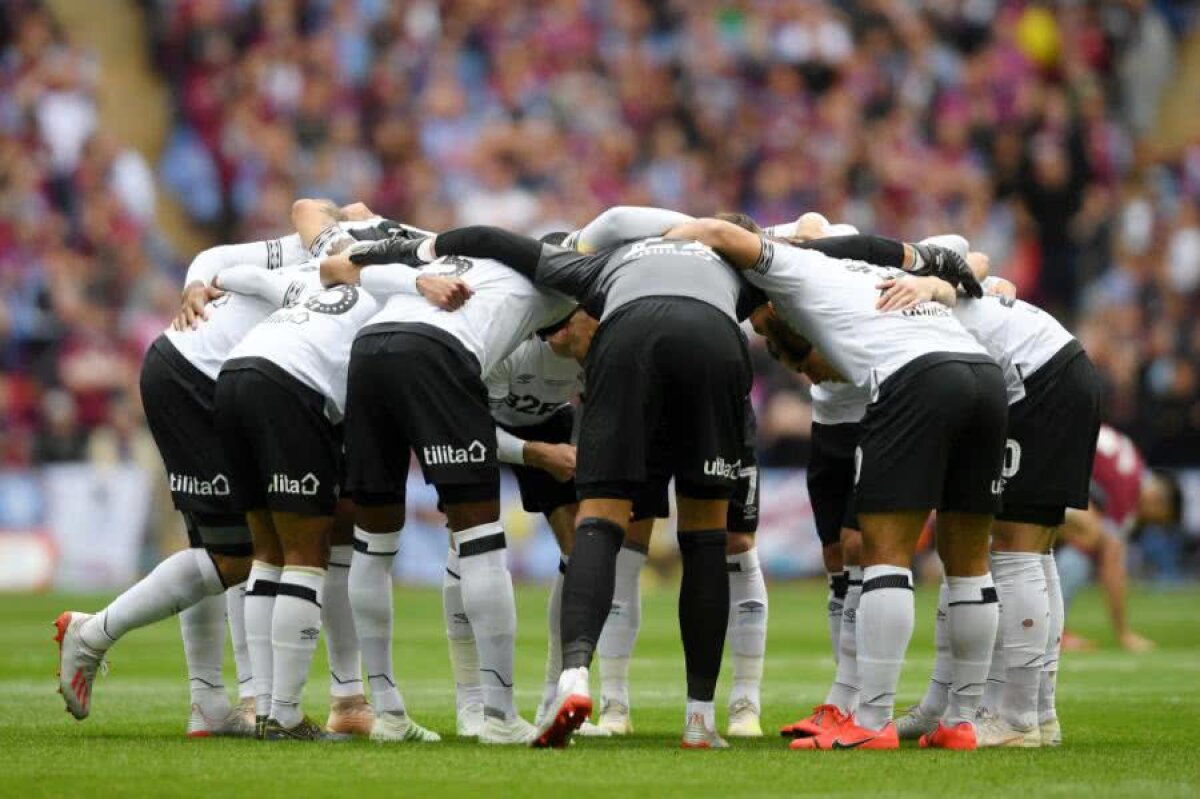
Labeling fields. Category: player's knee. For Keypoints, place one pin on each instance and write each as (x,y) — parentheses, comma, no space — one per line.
(737,543)
(832,557)
(379,518)
(852,547)
(465,515)
(234,569)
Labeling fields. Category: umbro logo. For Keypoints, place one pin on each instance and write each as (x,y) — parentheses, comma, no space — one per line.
(306,486)
(310,634)
(448,455)
(524,379)
(849,615)
(186,484)
(461,618)
(751,607)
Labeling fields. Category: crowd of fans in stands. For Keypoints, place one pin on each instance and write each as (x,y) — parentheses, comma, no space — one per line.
(1027,126)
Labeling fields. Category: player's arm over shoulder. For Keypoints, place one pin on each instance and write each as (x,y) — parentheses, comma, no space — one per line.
(623,223)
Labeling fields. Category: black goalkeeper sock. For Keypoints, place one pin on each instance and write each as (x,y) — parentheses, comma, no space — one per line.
(703,609)
(588,588)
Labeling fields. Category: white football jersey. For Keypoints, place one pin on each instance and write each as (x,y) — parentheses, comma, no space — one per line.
(838,403)
(233,315)
(230,317)
(1020,337)
(311,337)
(505,309)
(532,383)
(832,303)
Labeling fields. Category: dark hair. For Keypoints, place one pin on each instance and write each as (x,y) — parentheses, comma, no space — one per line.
(556,238)
(549,330)
(741,220)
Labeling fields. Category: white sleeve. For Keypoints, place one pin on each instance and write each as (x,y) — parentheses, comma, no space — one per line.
(783,268)
(624,223)
(386,279)
(509,448)
(497,382)
(273,287)
(269,254)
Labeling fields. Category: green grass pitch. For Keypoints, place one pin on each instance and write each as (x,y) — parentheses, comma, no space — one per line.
(1132,723)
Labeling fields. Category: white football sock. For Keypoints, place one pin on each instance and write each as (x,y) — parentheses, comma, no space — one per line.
(337,617)
(1049,681)
(707,710)
(974,614)
(464,658)
(620,632)
(261,587)
(235,606)
(747,626)
(933,704)
(844,691)
(885,625)
(203,629)
(295,631)
(1025,620)
(554,635)
(835,605)
(997,677)
(487,596)
(371,597)
(177,583)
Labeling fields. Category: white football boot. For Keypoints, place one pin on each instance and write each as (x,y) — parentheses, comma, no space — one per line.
(390,727)
(993,731)
(698,735)
(913,724)
(507,731)
(77,663)
(572,707)
(470,721)
(1051,732)
(230,724)
(615,717)
(744,720)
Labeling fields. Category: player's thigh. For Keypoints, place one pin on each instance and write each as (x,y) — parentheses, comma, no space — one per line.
(830,478)
(377,449)
(906,437)
(620,415)
(238,421)
(973,478)
(443,405)
(707,417)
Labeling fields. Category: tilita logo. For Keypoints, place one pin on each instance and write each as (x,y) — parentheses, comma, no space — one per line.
(306,486)
(447,455)
(721,468)
(186,484)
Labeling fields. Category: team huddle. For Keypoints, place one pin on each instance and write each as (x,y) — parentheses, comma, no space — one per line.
(303,374)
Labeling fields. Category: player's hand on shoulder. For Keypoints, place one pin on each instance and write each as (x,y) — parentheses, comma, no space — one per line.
(357,212)
(558,460)
(394,250)
(899,293)
(936,261)
(192,305)
(447,293)
(338,270)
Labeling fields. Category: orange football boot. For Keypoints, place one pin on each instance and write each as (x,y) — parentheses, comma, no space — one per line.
(961,736)
(824,717)
(848,735)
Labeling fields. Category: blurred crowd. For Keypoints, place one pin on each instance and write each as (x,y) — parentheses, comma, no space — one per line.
(1027,126)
